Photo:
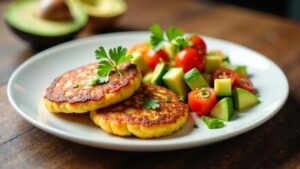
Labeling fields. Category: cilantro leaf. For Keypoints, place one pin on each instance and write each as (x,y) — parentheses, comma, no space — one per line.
(168,99)
(104,68)
(180,43)
(151,104)
(212,123)
(157,37)
(173,33)
(108,63)
(75,86)
(124,58)
(101,53)
(116,53)
(195,126)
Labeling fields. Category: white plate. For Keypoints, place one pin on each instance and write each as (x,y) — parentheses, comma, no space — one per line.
(27,85)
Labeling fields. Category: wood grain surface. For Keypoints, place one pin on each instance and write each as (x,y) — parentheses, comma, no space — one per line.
(275,144)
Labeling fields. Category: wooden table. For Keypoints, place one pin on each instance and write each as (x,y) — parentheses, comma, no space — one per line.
(275,144)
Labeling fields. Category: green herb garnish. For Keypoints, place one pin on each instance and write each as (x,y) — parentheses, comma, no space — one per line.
(173,33)
(75,86)
(168,99)
(109,62)
(181,98)
(212,123)
(180,43)
(158,39)
(151,104)
(195,126)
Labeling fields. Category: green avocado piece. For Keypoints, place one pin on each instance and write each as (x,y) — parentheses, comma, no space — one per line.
(244,99)
(212,63)
(158,73)
(223,110)
(104,8)
(173,79)
(223,87)
(194,79)
(23,16)
(147,77)
(138,59)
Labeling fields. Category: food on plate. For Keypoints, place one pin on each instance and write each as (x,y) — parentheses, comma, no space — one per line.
(152,111)
(176,69)
(95,86)
(47,22)
(184,64)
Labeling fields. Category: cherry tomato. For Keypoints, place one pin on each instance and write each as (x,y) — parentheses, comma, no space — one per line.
(140,47)
(223,73)
(202,100)
(152,57)
(244,83)
(199,44)
(189,58)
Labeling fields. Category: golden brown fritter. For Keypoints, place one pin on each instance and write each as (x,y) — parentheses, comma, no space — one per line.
(130,117)
(70,92)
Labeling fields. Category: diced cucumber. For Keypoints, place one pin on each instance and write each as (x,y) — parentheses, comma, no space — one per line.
(194,79)
(158,73)
(244,99)
(212,63)
(223,87)
(223,110)
(173,79)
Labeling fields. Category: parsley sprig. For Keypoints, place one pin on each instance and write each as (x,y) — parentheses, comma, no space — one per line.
(151,104)
(158,39)
(212,123)
(109,62)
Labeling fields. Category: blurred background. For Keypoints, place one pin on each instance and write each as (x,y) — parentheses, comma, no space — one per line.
(198,16)
(285,8)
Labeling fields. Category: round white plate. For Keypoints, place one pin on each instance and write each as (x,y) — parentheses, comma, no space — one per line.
(27,85)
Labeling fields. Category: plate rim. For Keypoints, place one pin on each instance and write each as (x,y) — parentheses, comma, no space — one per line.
(131,147)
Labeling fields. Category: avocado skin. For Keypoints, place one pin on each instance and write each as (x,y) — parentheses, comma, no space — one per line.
(42,42)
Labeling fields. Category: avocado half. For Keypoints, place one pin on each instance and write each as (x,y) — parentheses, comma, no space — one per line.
(24,20)
(103,13)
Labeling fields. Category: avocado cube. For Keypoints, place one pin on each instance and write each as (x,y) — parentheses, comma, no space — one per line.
(223,87)
(138,59)
(173,79)
(194,79)
(244,99)
(223,110)
(158,73)
(212,63)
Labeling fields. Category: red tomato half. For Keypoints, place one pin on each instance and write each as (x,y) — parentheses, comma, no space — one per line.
(202,100)
(152,57)
(189,58)
(244,83)
(223,73)
(199,44)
